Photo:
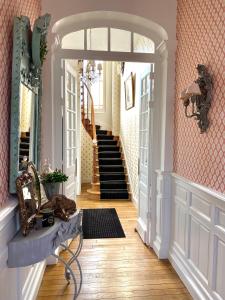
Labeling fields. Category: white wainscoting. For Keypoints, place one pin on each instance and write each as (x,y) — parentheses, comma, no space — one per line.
(197,249)
(161,240)
(21,283)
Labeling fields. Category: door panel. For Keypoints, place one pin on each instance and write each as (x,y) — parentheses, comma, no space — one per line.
(70,131)
(145,148)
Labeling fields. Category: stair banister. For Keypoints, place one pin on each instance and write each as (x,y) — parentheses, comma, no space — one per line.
(92,113)
(94,136)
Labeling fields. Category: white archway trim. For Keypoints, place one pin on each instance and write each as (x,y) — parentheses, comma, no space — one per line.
(110,19)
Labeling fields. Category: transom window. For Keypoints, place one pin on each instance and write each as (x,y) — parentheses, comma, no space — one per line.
(108,39)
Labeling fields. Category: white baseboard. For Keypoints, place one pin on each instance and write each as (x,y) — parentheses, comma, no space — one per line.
(135,201)
(142,230)
(156,246)
(33,281)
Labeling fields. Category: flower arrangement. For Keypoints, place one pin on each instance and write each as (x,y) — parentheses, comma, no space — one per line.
(55,176)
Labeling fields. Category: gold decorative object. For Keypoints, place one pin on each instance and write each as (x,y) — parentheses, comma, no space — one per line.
(27,202)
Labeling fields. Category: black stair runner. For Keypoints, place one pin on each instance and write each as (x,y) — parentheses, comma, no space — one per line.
(111,169)
(24,146)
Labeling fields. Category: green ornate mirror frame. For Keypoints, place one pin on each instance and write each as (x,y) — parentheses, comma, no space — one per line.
(29,51)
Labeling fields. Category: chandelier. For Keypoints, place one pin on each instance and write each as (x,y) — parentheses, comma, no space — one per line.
(89,71)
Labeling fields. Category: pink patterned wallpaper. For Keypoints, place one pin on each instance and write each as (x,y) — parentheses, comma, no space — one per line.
(201,39)
(9,9)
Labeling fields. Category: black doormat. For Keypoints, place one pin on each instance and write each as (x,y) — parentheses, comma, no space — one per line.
(101,223)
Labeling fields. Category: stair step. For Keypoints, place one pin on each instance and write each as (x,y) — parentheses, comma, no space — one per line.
(107,142)
(112,176)
(24,145)
(109,148)
(113,185)
(110,161)
(111,169)
(109,154)
(104,137)
(114,194)
(24,152)
(25,139)
(99,131)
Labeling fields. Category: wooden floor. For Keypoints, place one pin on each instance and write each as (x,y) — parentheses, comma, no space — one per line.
(116,268)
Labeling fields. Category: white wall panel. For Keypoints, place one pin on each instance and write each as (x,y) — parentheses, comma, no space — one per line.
(221,218)
(194,241)
(21,283)
(163,217)
(203,250)
(220,267)
(180,225)
(200,206)
(197,248)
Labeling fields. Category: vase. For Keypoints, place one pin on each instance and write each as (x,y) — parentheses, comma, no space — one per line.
(51,188)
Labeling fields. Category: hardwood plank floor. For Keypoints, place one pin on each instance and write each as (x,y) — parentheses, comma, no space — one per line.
(116,268)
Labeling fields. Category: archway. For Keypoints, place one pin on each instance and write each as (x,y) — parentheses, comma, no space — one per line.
(162,131)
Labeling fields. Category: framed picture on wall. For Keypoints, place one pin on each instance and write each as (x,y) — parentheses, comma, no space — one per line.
(129,86)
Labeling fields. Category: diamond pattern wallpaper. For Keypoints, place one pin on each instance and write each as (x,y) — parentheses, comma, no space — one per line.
(86,156)
(9,9)
(201,40)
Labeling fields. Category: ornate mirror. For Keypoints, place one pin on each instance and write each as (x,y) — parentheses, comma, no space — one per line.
(31,169)
(27,203)
(29,50)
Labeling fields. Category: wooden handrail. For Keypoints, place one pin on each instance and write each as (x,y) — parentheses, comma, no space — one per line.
(94,137)
(93,133)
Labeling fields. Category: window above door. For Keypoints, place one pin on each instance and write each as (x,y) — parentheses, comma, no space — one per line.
(108,39)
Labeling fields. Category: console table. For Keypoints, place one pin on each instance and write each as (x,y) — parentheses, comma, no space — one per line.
(39,244)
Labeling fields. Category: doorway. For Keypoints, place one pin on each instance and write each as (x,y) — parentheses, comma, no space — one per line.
(161,158)
(131,127)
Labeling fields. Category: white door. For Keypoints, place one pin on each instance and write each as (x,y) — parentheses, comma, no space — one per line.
(70,131)
(145,150)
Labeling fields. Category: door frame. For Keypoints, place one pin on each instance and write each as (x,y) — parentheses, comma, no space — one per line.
(147,232)
(147,58)
(164,59)
(66,66)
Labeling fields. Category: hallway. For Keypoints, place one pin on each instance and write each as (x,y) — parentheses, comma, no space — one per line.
(116,268)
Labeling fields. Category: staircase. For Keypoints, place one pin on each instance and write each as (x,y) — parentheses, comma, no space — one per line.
(109,179)
(24,145)
(112,171)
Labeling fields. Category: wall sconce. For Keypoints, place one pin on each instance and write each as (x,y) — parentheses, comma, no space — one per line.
(199,95)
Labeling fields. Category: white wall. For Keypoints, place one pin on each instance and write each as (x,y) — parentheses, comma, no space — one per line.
(129,125)
(104,119)
(160,11)
(116,98)
(21,283)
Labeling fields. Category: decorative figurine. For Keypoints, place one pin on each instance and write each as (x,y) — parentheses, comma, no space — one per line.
(62,206)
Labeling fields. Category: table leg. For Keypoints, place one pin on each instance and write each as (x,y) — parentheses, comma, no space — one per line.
(67,266)
(72,259)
